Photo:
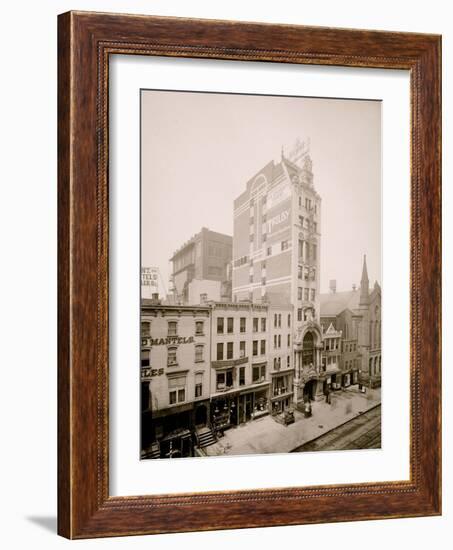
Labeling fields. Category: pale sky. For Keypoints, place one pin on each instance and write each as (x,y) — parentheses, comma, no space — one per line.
(200,149)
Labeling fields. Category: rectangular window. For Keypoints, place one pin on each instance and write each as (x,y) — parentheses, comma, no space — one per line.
(172,328)
(315,229)
(219,325)
(288,361)
(145,357)
(229,378)
(279,320)
(177,391)
(264,237)
(263,347)
(284,245)
(313,293)
(289,340)
(255,324)
(255,347)
(230,322)
(263,324)
(306,294)
(242,349)
(279,340)
(314,250)
(275,319)
(171,357)
(299,314)
(299,272)
(300,201)
(198,353)
(250,278)
(220,351)
(269,250)
(242,324)
(198,384)
(221,381)
(199,328)
(301,221)
(145,328)
(259,373)
(275,341)
(299,293)
(230,350)
(242,376)
(301,249)
(289,320)
(256,374)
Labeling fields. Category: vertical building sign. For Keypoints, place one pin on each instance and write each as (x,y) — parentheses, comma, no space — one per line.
(149,281)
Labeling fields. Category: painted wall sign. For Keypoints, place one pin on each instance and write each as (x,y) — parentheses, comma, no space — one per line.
(167,341)
(277,220)
(149,373)
(278,195)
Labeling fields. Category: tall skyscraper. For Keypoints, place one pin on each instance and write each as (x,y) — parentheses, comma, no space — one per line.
(276,260)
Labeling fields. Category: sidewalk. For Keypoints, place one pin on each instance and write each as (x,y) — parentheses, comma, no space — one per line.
(265,435)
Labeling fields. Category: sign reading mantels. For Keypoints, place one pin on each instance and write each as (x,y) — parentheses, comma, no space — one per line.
(168,341)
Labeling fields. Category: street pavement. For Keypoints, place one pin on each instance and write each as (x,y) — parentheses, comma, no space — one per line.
(362,432)
(265,435)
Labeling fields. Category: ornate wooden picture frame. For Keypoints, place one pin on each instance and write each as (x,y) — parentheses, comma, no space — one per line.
(85,42)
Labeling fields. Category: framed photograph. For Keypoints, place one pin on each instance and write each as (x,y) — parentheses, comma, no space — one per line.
(249,275)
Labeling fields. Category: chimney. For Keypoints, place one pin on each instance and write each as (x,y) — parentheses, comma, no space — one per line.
(333,286)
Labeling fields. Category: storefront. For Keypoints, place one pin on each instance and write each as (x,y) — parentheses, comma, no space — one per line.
(173,431)
(281,393)
(238,407)
(346,379)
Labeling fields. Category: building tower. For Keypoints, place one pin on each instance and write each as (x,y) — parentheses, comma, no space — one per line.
(276,260)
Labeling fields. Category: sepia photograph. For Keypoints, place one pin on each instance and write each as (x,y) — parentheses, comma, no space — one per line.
(261,274)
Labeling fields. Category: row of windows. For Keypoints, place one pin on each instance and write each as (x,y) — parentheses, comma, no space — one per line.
(306,294)
(278,362)
(278,320)
(306,224)
(172,328)
(278,341)
(172,356)
(177,387)
(306,273)
(177,390)
(307,251)
(230,325)
(331,344)
(349,346)
(226,380)
(308,204)
(352,363)
(241,261)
